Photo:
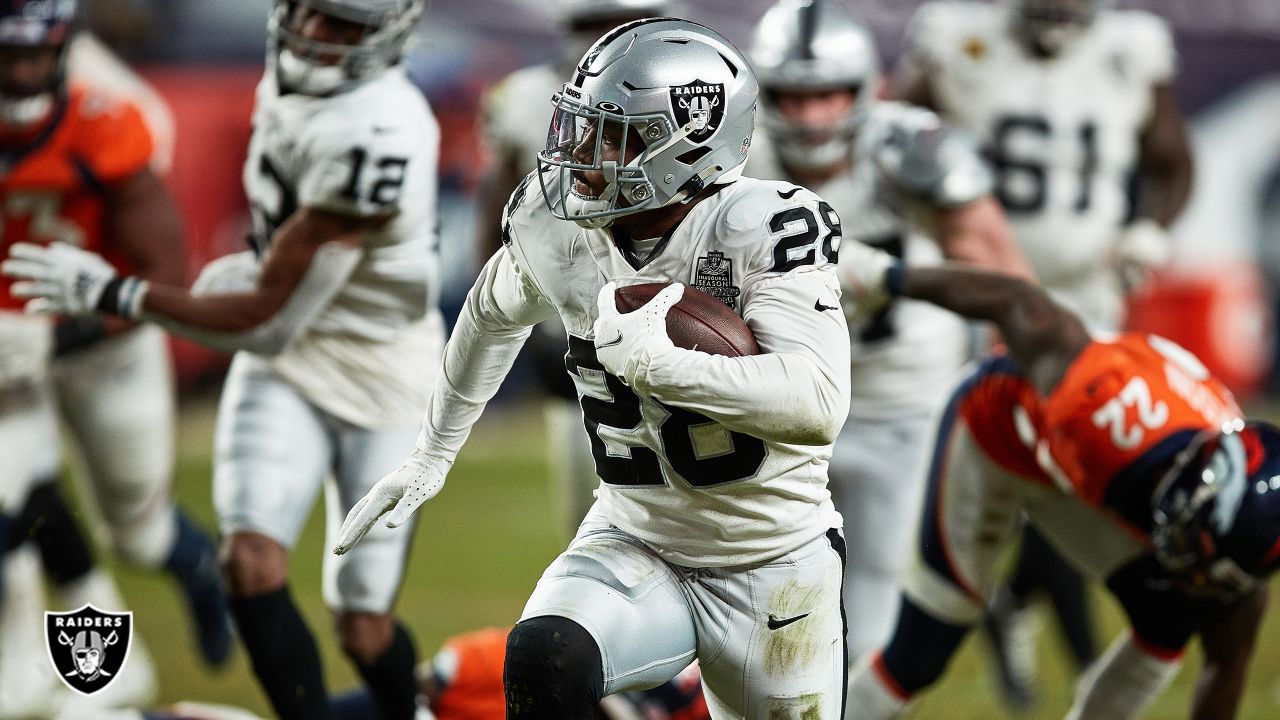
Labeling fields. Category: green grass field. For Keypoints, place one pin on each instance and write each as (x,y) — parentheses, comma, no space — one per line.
(480,547)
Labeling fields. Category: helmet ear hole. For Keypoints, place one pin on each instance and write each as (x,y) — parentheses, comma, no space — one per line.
(692,157)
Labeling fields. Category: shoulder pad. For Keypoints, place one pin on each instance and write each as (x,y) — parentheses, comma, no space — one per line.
(1142,44)
(924,157)
(938,29)
(777,226)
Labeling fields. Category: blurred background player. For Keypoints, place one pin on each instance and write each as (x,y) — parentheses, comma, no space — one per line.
(1132,459)
(79,169)
(334,317)
(901,181)
(1074,103)
(515,131)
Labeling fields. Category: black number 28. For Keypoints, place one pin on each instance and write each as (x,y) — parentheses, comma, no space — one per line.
(797,228)
(612,414)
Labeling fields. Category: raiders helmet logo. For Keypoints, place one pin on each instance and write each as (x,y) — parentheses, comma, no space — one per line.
(88,647)
(701,103)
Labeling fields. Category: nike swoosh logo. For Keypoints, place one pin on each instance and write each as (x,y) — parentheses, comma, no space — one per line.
(611,343)
(381,129)
(788,194)
(817,305)
(776,622)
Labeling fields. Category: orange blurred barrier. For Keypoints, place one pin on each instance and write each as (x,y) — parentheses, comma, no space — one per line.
(1221,314)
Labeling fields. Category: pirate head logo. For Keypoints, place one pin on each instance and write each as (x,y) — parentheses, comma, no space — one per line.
(701,103)
(88,647)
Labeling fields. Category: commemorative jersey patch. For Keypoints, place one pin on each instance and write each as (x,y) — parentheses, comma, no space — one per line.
(703,104)
(88,647)
(714,276)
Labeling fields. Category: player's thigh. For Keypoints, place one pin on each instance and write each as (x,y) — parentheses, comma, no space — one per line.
(367,578)
(272,451)
(971,509)
(118,399)
(28,441)
(1092,542)
(773,644)
(627,598)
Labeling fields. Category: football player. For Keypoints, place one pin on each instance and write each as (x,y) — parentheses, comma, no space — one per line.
(78,170)
(713,535)
(1074,103)
(1131,459)
(515,118)
(333,315)
(901,181)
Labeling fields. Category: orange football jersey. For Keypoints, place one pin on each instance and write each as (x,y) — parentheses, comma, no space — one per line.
(53,189)
(1119,399)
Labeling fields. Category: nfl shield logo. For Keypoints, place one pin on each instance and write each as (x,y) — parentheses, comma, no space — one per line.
(88,647)
(702,103)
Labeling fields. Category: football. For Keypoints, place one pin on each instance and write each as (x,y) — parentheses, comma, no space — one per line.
(700,321)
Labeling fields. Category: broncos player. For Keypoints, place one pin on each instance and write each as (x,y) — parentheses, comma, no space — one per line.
(515,132)
(713,535)
(1129,456)
(1074,103)
(78,168)
(901,181)
(332,315)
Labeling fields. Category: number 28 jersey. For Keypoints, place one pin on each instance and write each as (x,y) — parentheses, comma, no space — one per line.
(697,492)
(1062,133)
(370,151)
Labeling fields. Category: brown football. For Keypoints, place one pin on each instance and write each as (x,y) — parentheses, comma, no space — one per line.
(700,321)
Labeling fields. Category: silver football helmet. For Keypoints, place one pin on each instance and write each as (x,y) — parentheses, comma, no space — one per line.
(1050,26)
(805,45)
(673,93)
(314,67)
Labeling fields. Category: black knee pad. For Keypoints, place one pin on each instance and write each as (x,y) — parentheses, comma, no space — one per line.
(47,521)
(920,648)
(553,671)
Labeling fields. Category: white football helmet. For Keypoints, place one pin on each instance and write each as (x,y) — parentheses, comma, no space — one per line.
(803,45)
(1050,26)
(313,67)
(687,93)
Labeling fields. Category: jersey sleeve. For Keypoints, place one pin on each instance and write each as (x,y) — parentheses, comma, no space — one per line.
(115,140)
(778,227)
(364,169)
(1150,47)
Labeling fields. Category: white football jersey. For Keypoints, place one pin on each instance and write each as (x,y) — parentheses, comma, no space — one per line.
(699,493)
(517,113)
(1063,133)
(369,151)
(905,357)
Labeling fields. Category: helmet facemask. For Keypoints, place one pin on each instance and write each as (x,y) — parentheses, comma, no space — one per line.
(22,34)
(803,145)
(1194,507)
(378,38)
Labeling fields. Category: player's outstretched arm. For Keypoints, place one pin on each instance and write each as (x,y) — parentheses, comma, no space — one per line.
(1228,638)
(495,321)
(311,257)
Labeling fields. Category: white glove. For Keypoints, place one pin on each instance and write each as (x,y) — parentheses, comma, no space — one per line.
(63,279)
(863,271)
(1141,247)
(26,347)
(626,341)
(229,275)
(402,492)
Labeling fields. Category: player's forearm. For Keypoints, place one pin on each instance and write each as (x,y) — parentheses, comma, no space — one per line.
(776,397)
(1217,693)
(1165,192)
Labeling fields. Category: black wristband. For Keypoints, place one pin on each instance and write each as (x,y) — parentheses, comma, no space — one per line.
(893,278)
(78,333)
(109,302)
